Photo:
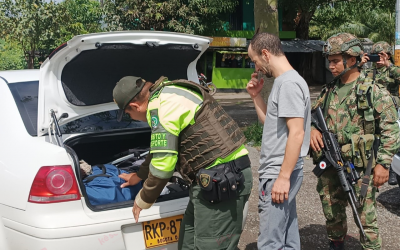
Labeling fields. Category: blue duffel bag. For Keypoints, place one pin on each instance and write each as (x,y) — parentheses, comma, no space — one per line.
(103,186)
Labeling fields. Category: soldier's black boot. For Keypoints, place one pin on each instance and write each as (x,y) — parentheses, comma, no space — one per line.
(336,245)
(392,177)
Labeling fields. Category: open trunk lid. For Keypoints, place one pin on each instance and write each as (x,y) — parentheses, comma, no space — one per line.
(79,76)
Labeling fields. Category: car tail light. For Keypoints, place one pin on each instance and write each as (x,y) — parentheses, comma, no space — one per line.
(54,184)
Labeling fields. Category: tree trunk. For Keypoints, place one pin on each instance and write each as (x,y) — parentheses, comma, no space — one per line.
(266,20)
(302,32)
(303,25)
(266,16)
(31,59)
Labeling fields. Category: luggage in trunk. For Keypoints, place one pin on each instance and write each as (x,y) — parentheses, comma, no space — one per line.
(107,147)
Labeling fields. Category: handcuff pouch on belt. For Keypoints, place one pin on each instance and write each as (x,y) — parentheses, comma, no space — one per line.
(221,182)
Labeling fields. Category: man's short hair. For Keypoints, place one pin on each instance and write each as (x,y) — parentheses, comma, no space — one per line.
(267,41)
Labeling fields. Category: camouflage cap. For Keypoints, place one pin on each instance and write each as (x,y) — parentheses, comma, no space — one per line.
(343,43)
(381,46)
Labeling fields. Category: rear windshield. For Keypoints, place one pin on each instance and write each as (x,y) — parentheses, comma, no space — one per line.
(26,97)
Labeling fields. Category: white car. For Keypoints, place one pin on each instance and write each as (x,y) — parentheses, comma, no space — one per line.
(43,203)
(396,167)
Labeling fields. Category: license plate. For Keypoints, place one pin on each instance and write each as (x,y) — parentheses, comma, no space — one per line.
(161,232)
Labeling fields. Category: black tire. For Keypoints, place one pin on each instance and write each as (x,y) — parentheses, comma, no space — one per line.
(398,179)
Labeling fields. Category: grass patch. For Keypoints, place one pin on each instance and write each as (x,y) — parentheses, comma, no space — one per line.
(253,134)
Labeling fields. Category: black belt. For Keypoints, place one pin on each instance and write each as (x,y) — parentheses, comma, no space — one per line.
(239,164)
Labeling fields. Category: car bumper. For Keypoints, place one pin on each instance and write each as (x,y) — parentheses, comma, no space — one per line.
(117,240)
(84,230)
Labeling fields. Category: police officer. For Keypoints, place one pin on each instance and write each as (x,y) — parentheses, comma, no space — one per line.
(352,115)
(387,74)
(190,132)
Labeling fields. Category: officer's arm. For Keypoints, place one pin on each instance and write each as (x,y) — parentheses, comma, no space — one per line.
(143,172)
(160,171)
(386,114)
(164,150)
(395,72)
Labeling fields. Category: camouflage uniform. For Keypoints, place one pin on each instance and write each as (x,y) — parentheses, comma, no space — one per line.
(345,119)
(387,76)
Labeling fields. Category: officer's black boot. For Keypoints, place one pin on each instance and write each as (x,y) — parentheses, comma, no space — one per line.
(392,177)
(336,245)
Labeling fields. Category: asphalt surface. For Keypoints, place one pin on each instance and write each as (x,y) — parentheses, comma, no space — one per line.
(311,219)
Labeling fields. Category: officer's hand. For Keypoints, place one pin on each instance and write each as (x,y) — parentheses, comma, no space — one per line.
(131,179)
(381,175)
(364,60)
(316,142)
(253,86)
(136,211)
(280,190)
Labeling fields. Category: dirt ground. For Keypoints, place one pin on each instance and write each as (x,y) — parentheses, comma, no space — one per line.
(311,219)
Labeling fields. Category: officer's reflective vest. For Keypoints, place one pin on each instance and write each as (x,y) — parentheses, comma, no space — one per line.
(214,134)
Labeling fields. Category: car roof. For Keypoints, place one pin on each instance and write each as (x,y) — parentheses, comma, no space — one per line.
(25,75)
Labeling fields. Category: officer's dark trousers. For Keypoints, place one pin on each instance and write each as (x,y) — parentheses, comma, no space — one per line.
(207,226)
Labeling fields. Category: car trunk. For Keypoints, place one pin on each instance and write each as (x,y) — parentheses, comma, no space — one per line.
(102,148)
(78,78)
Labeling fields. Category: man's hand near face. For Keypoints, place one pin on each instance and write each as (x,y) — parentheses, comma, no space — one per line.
(254,86)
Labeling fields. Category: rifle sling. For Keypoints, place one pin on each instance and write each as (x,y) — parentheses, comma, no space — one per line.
(324,110)
(366,178)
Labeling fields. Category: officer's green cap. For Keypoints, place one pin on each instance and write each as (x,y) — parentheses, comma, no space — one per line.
(125,90)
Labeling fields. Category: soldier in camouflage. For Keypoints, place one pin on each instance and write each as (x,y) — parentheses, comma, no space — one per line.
(343,116)
(387,74)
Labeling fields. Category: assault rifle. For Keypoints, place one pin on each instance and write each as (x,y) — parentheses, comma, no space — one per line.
(348,176)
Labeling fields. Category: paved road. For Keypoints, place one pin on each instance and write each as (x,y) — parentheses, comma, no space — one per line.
(241,108)
(311,219)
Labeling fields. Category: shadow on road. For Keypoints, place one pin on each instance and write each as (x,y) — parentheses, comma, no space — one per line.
(251,246)
(390,199)
(314,236)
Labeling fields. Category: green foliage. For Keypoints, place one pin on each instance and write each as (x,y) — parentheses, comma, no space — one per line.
(38,27)
(85,17)
(374,19)
(32,24)
(11,57)
(194,16)
(253,133)
(299,13)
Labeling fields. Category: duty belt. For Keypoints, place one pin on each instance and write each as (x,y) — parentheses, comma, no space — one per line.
(238,164)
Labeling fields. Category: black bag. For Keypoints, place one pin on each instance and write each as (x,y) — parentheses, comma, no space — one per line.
(220,183)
